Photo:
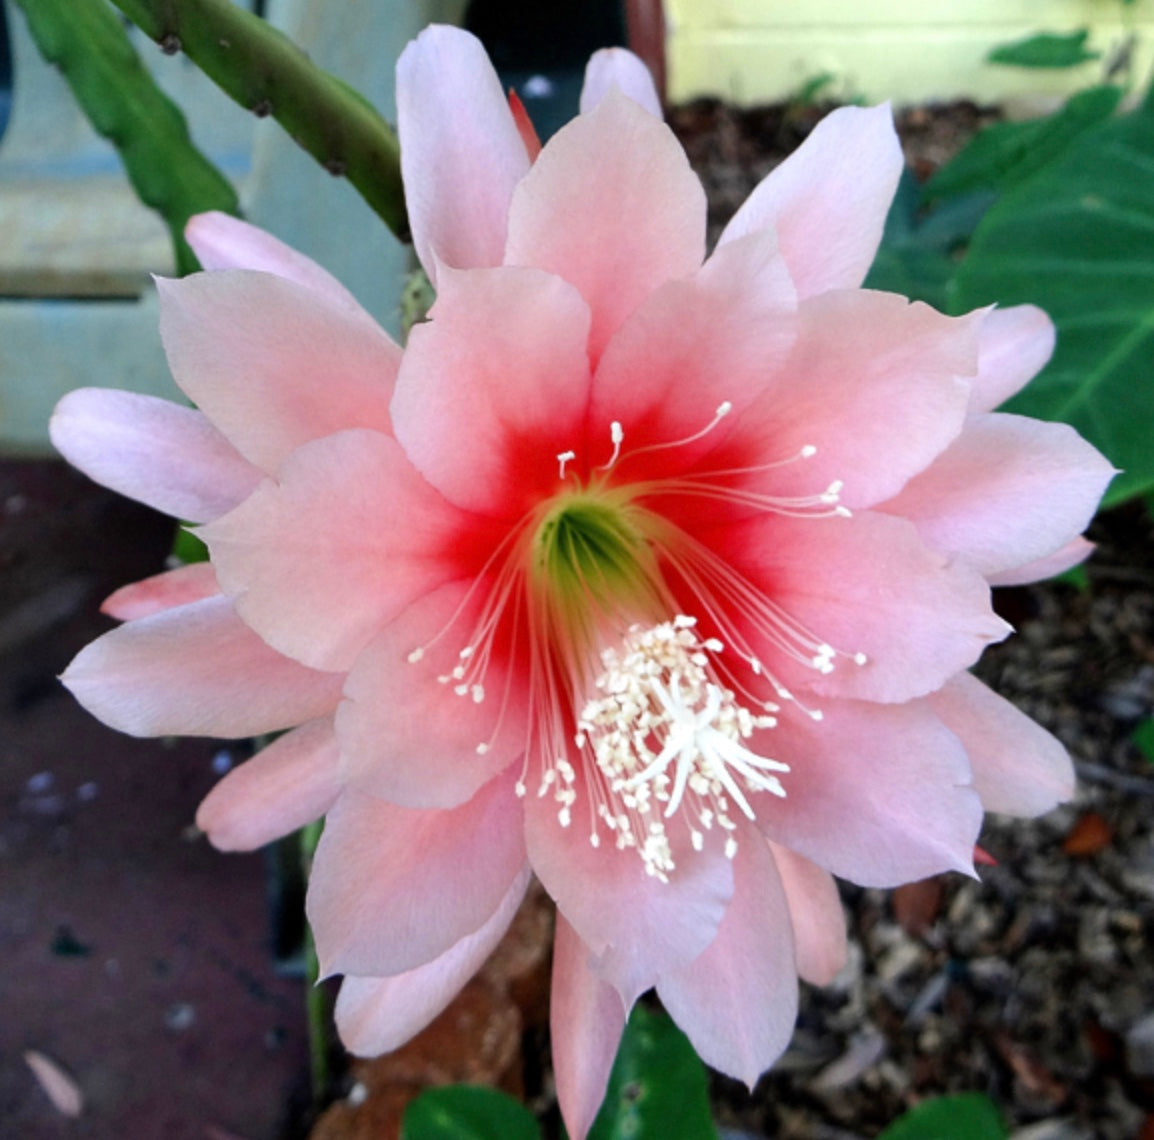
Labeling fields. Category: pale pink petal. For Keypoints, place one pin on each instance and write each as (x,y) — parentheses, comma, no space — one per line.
(1019,768)
(285,786)
(615,67)
(411,738)
(221,241)
(637,926)
(612,206)
(863,585)
(737,1002)
(587,1018)
(377,1015)
(461,153)
(815,912)
(877,794)
(1075,551)
(1015,345)
(197,670)
(494,386)
(177,587)
(828,201)
(272,363)
(151,450)
(692,348)
(392,889)
(321,559)
(1007,492)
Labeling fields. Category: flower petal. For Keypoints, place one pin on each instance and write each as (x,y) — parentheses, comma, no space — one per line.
(612,206)
(816,915)
(616,67)
(151,450)
(321,559)
(393,889)
(1007,492)
(1019,768)
(285,786)
(1075,551)
(1015,345)
(828,201)
(392,703)
(196,670)
(494,386)
(587,1018)
(165,591)
(272,363)
(461,153)
(737,1001)
(377,1015)
(876,794)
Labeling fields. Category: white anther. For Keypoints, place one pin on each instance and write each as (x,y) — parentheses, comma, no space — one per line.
(723,409)
(808,451)
(860,658)
(482,749)
(478,693)
(416,656)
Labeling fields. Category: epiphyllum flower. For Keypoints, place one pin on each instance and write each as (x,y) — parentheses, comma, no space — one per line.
(654,576)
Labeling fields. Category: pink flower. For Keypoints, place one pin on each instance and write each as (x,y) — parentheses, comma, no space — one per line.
(654,576)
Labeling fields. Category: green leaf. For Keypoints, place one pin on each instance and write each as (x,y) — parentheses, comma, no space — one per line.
(1078,240)
(1046,49)
(468,1112)
(1143,738)
(964,1116)
(658,1087)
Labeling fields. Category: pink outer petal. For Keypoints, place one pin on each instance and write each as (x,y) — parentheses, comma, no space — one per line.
(319,561)
(877,794)
(691,347)
(816,915)
(156,452)
(1015,345)
(410,739)
(587,1018)
(392,889)
(1074,552)
(165,591)
(221,241)
(865,584)
(1008,492)
(828,201)
(377,1015)
(197,670)
(272,363)
(461,153)
(494,386)
(638,927)
(616,67)
(285,786)
(612,206)
(1019,768)
(738,1000)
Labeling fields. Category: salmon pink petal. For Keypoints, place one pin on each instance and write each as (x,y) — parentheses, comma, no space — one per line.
(616,67)
(321,559)
(392,889)
(461,153)
(391,700)
(1015,345)
(828,201)
(494,386)
(153,451)
(197,670)
(221,241)
(612,206)
(1076,551)
(377,1015)
(877,794)
(587,1018)
(816,915)
(285,786)
(737,1001)
(274,364)
(1019,768)
(1007,492)
(637,927)
(164,591)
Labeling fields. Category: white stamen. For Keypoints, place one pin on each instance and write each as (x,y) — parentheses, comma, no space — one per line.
(564,457)
(616,437)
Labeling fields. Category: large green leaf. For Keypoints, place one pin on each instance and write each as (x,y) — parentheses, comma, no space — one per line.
(468,1112)
(1046,49)
(964,1116)
(1078,240)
